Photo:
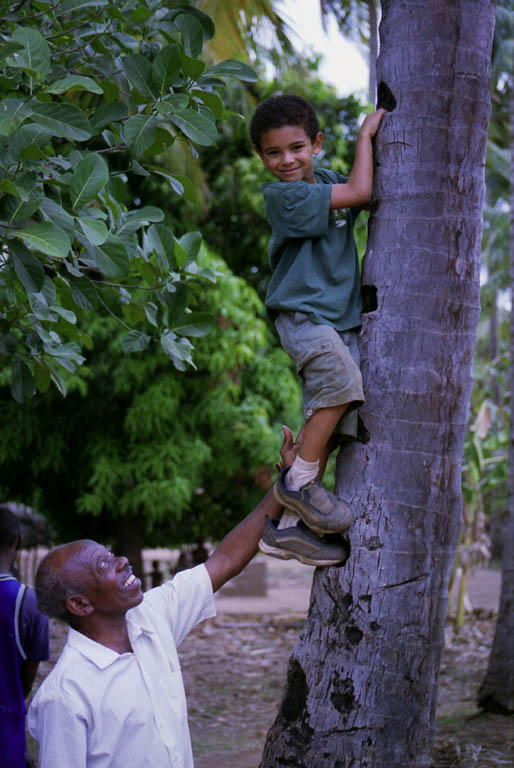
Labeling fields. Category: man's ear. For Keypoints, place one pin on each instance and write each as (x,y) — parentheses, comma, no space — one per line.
(317,143)
(79,605)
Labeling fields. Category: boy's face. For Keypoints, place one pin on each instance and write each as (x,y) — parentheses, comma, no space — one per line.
(288,153)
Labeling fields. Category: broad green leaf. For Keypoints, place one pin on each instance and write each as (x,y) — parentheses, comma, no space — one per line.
(191,243)
(195,324)
(232,68)
(138,169)
(204,19)
(159,238)
(196,127)
(90,176)
(55,213)
(111,258)
(141,13)
(210,100)
(135,341)
(42,378)
(178,350)
(175,102)
(176,302)
(63,120)
(22,387)
(191,67)
(151,310)
(83,292)
(139,71)
(132,220)
(75,5)
(28,268)
(36,52)
(192,34)
(16,209)
(8,187)
(66,314)
(166,68)
(12,113)
(68,351)
(28,136)
(95,230)
(47,238)
(139,132)
(108,113)
(182,185)
(74,83)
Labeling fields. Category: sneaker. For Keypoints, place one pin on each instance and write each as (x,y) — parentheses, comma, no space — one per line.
(301,544)
(319,509)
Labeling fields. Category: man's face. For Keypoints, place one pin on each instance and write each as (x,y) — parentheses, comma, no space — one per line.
(109,583)
(288,153)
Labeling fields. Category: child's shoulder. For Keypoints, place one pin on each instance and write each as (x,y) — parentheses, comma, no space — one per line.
(326,176)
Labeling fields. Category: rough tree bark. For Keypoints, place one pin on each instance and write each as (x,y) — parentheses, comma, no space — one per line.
(497,691)
(362,680)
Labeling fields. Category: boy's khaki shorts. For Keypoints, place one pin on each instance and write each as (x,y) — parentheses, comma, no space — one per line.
(327,362)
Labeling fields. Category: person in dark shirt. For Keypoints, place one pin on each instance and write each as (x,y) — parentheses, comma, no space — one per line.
(24,641)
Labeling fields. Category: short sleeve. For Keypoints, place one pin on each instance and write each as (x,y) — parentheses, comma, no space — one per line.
(60,731)
(186,600)
(297,209)
(33,629)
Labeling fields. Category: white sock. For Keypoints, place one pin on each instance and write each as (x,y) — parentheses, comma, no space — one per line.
(300,473)
(288,519)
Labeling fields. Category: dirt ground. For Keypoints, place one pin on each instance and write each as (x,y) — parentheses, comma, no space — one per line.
(234,669)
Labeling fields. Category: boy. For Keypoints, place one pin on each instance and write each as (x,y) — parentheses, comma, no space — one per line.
(314,299)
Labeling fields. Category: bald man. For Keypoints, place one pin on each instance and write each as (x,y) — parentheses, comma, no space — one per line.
(115,698)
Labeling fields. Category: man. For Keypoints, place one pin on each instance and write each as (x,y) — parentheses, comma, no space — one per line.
(23,644)
(116,698)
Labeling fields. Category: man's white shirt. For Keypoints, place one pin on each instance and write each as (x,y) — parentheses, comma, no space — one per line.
(101,709)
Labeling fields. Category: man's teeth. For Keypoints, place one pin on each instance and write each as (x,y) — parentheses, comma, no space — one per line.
(130,580)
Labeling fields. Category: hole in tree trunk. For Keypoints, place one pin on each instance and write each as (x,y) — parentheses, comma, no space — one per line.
(369,298)
(385,97)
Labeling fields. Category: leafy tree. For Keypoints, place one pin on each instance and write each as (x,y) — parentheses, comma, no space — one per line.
(362,681)
(139,450)
(91,97)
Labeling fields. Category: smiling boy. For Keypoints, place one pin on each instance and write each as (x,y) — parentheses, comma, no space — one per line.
(314,299)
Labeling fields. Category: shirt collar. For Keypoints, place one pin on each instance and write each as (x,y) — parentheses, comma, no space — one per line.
(100,654)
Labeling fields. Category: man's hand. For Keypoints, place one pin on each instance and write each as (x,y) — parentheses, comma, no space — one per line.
(290,447)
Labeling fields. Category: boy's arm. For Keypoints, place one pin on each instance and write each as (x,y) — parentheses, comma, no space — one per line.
(241,544)
(358,188)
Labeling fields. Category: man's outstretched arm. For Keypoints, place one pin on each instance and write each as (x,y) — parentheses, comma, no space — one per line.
(241,544)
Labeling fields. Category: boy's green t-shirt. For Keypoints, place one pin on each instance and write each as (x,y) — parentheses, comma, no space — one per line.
(312,253)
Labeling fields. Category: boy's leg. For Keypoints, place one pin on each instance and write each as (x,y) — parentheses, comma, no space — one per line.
(318,431)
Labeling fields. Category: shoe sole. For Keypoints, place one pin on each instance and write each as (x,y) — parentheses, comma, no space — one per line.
(300,510)
(283,554)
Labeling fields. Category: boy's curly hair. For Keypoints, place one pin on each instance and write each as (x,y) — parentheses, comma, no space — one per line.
(285,109)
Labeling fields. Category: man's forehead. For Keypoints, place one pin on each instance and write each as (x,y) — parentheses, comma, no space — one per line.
(80,552)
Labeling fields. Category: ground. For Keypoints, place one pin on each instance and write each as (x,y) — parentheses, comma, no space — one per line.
(234,669)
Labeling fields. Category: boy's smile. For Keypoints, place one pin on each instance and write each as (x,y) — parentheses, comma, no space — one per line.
(288,153)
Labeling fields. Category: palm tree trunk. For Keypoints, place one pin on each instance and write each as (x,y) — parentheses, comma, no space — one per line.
(362,682)
(497,691)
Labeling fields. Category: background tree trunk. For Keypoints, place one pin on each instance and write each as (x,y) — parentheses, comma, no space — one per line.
(362,681)
(373,49)
(497,691)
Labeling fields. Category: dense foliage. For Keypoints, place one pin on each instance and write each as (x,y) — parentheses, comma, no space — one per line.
(92,95)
